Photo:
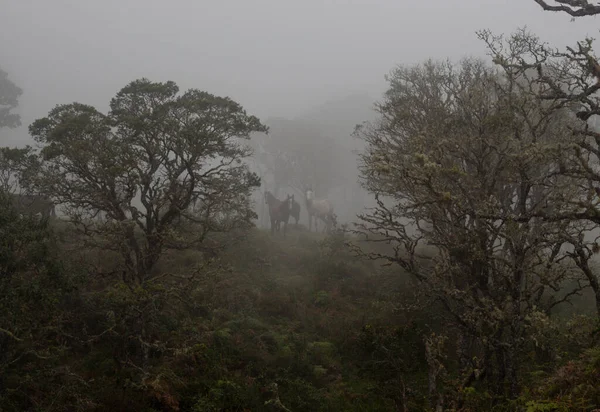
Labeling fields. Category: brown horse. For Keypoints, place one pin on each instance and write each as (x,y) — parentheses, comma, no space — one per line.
(319,208)
(279,211)
(295,211)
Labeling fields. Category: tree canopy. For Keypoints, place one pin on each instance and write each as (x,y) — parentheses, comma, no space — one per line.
(145,163)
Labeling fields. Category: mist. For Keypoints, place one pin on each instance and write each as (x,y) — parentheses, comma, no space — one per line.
(278,59)
(290,60)
(152,262)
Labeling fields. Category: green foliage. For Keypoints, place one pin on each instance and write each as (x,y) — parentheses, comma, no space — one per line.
(543,406)
(321,298)
(38,304)
(224,395)
(573,386)
(247,320)
(242,339)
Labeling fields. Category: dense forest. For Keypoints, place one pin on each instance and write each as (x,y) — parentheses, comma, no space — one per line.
(177,253)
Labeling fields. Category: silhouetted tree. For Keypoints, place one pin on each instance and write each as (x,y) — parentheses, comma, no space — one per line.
(9,99)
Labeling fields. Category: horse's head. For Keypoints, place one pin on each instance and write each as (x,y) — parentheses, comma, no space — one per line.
(309,194)
(290,201)
(334,219)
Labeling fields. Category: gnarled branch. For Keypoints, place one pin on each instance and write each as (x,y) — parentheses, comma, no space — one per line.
(575,8)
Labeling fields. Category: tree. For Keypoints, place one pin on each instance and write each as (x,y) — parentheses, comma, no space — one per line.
(570,81)
(9,99)
(459,161)
(575,8)
(144,165)
(162,149)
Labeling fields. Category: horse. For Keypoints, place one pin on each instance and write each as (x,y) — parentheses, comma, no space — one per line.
(279,211)
(320,208)
(295,211)
(33,204)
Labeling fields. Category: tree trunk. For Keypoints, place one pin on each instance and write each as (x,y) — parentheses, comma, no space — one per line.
(435,368)
(511,373)
(462,345)
(500,371)
(582,260)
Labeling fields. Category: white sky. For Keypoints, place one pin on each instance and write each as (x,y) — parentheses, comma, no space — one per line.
(276,57)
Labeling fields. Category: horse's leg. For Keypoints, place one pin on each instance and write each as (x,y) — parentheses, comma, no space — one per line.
(325,224)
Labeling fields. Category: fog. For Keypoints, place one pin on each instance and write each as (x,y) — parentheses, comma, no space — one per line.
(168,281)
(279,59)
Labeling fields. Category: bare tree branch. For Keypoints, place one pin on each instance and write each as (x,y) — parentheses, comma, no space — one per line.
(575,8)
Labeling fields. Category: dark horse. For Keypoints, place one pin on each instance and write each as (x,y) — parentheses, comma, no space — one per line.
(279,211)
(295,211)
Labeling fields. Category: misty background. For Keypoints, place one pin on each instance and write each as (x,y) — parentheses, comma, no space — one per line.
(310,65)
